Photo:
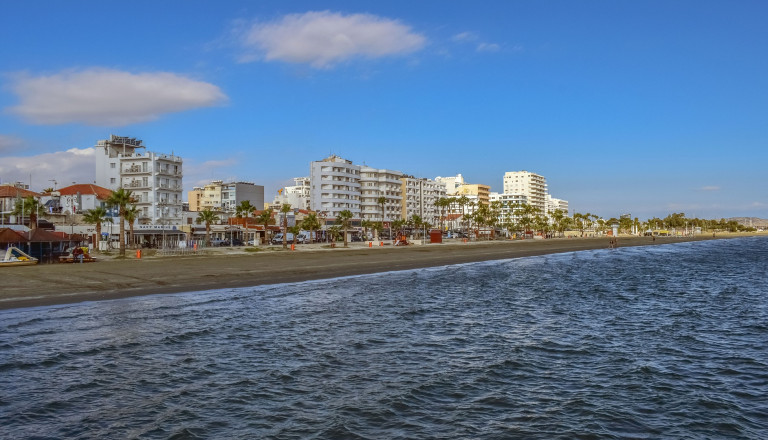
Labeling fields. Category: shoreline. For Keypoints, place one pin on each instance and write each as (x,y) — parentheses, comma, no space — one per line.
(57,284)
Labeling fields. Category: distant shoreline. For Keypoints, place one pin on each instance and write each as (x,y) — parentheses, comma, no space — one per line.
(53,284)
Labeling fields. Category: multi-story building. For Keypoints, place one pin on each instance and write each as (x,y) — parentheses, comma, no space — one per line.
(554,204)
(154,179)
(297,195)
(10,194)
(377,186)
(335,186)
(533,186)
(225,197)
(508,204)
(477,192)
(452,184)
(419,197)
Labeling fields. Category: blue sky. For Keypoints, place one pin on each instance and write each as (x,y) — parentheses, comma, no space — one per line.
(645,108)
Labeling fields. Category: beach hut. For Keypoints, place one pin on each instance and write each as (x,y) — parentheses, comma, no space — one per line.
(44,245)
(10,237)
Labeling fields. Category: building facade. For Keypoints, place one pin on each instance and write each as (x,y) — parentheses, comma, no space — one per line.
(508,203)
(554,204)
(533,186)
(376,184)
(297,196)
(419,197)
(451,183)
(335,186)
(477,192)
(154,179)
(225,197)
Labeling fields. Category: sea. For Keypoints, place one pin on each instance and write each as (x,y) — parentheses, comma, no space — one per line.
(655,342)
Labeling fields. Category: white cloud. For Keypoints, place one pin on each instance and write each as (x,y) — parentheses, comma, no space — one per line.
(710,188)
(324,38)
(464,36)
(488,47)
(73,165)
(106,97)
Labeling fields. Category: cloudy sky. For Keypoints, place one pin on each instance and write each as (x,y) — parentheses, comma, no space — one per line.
(645,107)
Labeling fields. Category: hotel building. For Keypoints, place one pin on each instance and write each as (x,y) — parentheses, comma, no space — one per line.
(155,179)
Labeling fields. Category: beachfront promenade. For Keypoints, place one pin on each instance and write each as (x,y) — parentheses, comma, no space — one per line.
(218,268)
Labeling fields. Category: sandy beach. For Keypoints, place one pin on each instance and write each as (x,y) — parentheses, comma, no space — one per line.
(109,278)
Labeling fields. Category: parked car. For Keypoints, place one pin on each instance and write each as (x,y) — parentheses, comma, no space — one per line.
(278,238)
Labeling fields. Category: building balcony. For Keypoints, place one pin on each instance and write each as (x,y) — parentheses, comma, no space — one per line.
(136,185)
(134,170)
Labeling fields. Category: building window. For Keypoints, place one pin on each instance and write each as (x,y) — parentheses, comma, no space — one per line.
(112,165)
(112,180)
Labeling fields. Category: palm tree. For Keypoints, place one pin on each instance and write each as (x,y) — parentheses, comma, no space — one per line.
(442,203)
(557,219)
(245,209)
(382,200)
(285,209)
(343,219)
(311,224)
(207,217)
(131,214)
(121,199)
(265,218)
(29,205)
(97,216)
(416,222)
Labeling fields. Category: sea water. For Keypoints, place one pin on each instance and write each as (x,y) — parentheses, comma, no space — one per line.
(666,341)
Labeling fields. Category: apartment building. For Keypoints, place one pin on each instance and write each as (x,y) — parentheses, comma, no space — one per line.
(452,183)
(155,179)
(508,203)
(297,195)
(225,197)
(335,186)
(533,186)
(419,197)
(478,193)
(554,204)
(375,184)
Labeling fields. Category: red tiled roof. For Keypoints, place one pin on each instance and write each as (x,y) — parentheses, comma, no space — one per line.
(86,188)
(40,235)
(12,191)
(8,235)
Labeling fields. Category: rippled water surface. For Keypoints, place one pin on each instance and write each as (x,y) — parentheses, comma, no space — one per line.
(654,342)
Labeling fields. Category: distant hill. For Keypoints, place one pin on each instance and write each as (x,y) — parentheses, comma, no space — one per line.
(750,221)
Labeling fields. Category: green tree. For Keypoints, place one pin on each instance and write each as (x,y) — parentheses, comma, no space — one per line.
(131,214)
(295,229)
(121,199)
(97,216)
(343,220)
(311,224)
(265,218)
(208,218)
(284,210)
(29,206)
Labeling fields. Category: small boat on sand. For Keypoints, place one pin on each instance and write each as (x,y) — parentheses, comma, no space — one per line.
(16,257)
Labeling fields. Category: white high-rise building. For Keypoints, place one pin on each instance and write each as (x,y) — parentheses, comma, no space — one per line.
(419,197)
(297,196)
(376,183)
(554,204)
(452,184)
(155,179)
(509,202)
(533,186)
(335,186)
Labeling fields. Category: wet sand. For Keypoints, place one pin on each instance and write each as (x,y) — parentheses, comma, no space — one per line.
(51,284)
